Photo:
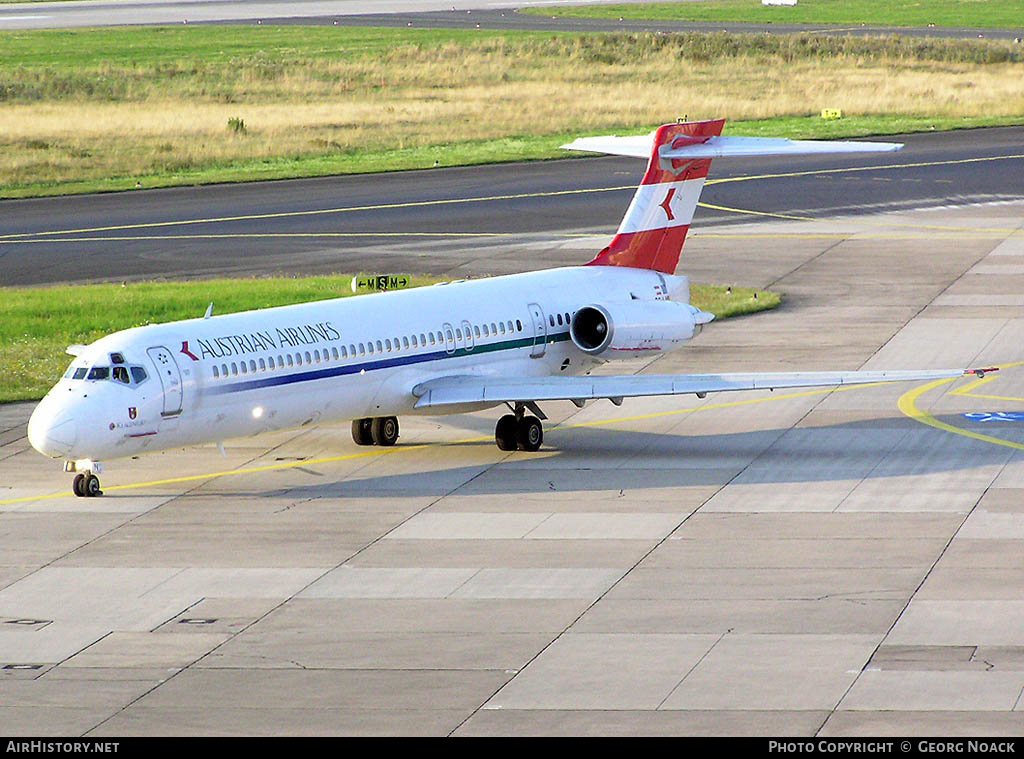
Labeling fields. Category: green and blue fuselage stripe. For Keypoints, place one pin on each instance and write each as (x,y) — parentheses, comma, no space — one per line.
(383,363)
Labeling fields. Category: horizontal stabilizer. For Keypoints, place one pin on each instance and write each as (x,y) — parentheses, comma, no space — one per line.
(445,391)
(653,231)
(722,147)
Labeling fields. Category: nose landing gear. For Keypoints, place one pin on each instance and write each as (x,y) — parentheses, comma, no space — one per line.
(86,484)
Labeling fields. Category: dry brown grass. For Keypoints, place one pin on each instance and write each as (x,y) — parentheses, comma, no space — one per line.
(175,119)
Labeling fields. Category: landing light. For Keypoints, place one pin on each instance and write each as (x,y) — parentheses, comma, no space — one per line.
(257,412)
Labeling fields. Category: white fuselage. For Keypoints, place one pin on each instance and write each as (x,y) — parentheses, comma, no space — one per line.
(208,380)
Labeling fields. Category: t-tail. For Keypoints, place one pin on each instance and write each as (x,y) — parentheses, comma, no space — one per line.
(653,231)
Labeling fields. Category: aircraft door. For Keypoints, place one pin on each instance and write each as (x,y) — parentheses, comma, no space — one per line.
(468,329)
(540,330)
(449,337)
(170,379)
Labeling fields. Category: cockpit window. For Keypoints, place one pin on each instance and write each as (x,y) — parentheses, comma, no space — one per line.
(121,373)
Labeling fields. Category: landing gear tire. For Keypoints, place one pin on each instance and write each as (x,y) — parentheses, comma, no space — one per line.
(384,430)
(362,432)
(91,486)
(530,435)
(86,485)
(506,433)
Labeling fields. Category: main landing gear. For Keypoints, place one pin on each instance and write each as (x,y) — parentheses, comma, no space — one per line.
(380,430)
(519,431)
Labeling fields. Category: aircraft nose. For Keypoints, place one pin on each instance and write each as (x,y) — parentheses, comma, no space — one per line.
(52,432)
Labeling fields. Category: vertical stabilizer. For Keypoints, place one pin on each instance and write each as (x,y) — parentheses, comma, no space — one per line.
(651,234)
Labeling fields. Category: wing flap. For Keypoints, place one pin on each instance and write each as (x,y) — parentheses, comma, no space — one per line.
(445,391)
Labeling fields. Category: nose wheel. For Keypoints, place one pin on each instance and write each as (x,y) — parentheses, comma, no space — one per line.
(86,485)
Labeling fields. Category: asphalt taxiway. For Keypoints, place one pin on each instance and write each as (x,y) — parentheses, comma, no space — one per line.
(801,563)
(496,18)
(465,14)
(471,221)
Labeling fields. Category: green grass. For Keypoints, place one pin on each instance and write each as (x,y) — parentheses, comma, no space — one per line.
(725,301)
(37,324)
(991,14)
(998,14)
(816,128)
(494,93)
(129,63)
(184,50)
(299,65)
(524,148)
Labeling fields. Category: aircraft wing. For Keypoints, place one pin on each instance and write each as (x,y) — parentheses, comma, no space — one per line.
(444,391)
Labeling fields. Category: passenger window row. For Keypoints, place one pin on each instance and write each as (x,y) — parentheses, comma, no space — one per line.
(553,317)
(360,350)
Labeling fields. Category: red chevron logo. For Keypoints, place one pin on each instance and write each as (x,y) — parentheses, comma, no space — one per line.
(187,352)
(667,204)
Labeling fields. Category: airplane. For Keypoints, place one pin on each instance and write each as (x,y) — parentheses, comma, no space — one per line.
(456,347)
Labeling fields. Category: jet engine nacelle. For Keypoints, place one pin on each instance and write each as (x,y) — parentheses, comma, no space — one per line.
(634,328)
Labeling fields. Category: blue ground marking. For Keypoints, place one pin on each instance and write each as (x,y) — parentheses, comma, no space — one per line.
(995,416)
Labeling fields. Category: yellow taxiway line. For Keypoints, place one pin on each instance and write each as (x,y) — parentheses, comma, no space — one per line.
(907,404)
(319,212)
(420,446)
(24,236)
(969,390)
(912,225)
(979,232)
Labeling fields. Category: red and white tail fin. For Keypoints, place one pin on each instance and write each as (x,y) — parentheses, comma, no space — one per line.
(652,233)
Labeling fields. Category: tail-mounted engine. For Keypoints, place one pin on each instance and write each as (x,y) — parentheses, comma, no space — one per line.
(635,328)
